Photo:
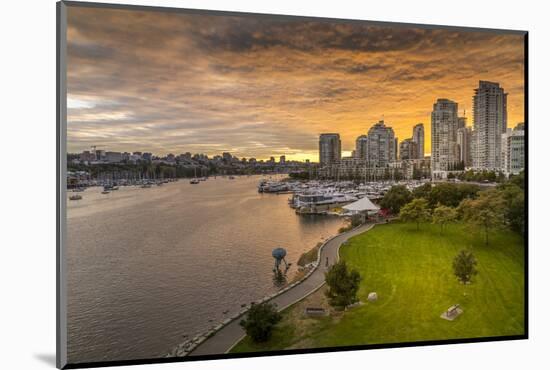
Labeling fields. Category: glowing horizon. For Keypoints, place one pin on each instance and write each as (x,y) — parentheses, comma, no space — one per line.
(261,87)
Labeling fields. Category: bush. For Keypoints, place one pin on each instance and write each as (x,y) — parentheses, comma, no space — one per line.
(345,228)
(260,320)
(309,256)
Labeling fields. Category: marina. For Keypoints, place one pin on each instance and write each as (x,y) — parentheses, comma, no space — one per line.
(323,197)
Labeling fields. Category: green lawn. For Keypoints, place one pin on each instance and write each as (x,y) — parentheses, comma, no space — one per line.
(412,273)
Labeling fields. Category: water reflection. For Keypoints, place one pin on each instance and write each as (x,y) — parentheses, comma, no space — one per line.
(279,278)
(147,266)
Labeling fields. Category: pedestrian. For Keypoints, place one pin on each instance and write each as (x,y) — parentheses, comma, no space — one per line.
(326,263)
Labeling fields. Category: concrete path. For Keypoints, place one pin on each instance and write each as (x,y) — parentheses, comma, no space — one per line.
(224,339)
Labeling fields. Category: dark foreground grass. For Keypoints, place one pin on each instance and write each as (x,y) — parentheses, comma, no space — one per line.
(412,273)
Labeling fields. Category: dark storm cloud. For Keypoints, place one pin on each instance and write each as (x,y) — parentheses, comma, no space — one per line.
(248,34)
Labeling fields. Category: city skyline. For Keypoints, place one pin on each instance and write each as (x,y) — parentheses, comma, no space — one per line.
(174,83)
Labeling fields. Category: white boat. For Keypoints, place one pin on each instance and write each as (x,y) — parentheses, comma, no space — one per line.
(273,187)
(195,179)
(320,202)
(75,197)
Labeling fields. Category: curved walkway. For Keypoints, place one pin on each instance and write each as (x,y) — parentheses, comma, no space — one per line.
(225,338)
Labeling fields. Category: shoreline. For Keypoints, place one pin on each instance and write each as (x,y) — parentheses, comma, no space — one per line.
(234,333)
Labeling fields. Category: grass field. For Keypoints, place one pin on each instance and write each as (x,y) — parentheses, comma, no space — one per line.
(412,273)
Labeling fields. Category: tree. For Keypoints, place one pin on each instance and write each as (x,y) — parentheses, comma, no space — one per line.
(518,180)
(451,194)
(395,198)
(443,215)
(423,191)
(514,206)
(487,211)
(464,266)
(260,320)
(342,285)
(415,211)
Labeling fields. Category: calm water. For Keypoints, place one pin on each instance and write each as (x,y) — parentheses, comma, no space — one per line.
(148,266)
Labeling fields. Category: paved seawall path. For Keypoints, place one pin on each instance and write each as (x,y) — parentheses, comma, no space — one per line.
(224,339)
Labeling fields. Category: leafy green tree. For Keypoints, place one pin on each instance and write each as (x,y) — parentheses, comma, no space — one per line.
(443,215)
(395,198)
(415,211)
(423,191)
(260,320)
(464,266)
(518,180)
(487,211)
(451,194)
(343,285)
(514,206)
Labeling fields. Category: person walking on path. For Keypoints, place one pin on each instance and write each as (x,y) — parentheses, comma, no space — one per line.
(326,262)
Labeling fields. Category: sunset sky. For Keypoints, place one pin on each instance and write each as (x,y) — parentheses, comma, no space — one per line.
(261,87)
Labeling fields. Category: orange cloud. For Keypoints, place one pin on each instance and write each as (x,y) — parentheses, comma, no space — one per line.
(174,82)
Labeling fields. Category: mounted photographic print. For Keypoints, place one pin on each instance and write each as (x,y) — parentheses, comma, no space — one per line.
(234,184)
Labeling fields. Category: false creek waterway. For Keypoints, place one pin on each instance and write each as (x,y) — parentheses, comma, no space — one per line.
(148,268)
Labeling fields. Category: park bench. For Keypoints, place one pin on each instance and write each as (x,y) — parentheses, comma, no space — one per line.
(453,310)
(314,311)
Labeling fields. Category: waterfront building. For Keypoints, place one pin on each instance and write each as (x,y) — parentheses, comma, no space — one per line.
(513,150)
(351,168)
(330,148)
(282,159)
(410,169)
(133,158)
(87,156)
(490,122)
(361,147)
(99,155)
(418,139)
(408,149)
(444,155)
(381,145)
(113,157)
(464,139)
(147,156)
